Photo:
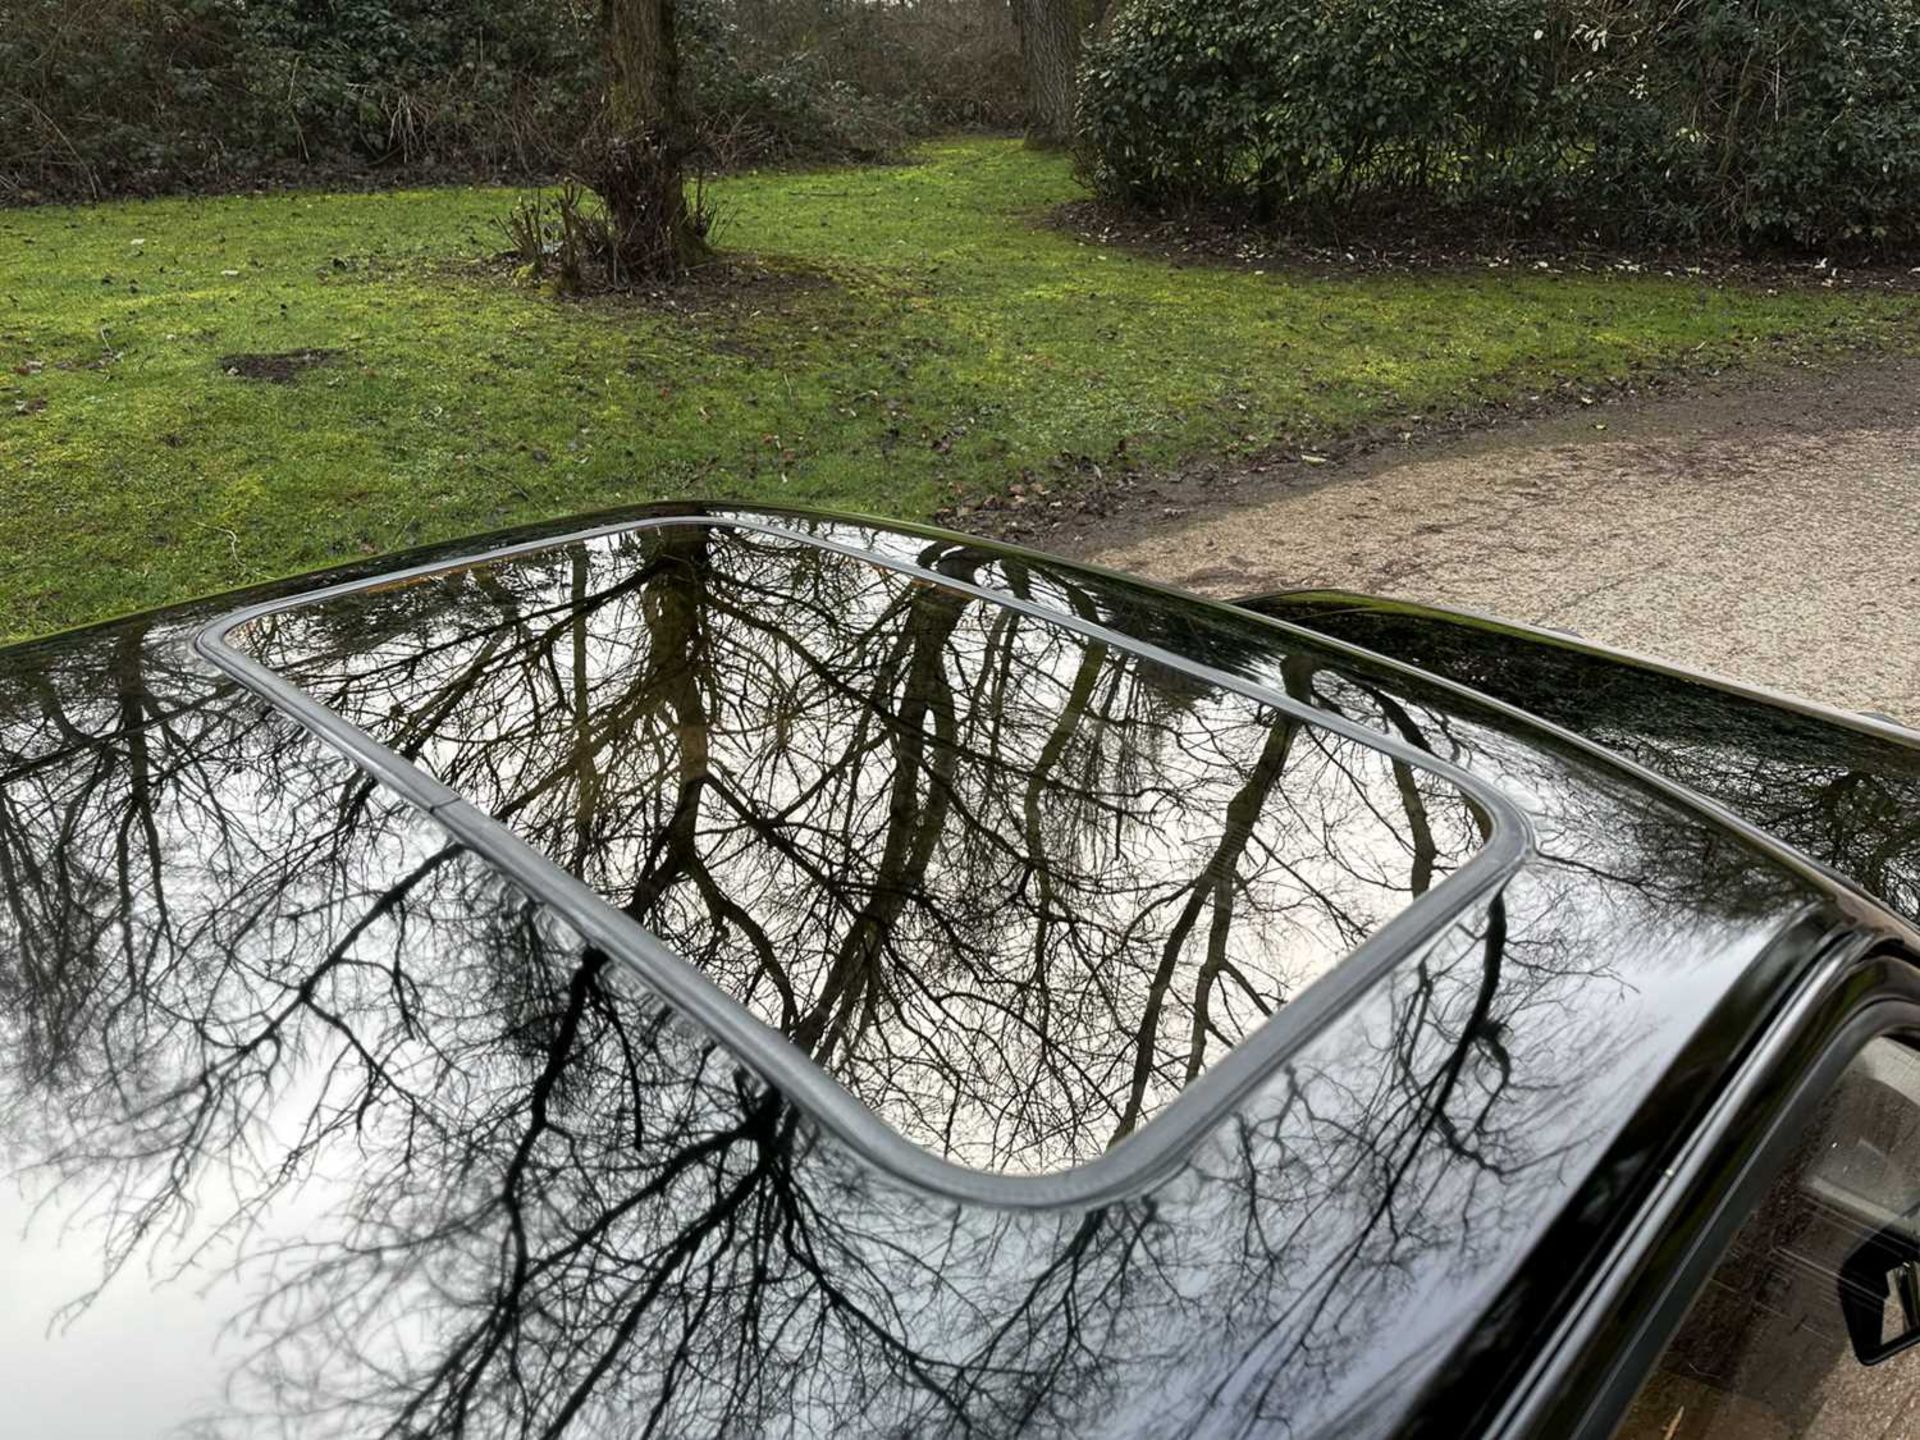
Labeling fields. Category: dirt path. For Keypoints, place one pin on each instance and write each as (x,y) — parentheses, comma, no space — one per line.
(1767,531)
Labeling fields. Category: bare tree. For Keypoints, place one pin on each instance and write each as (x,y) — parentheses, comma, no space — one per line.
(638,166)
(1052,33)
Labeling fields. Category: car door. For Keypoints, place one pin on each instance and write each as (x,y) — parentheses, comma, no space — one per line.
(1769,1289)
(1805,1328)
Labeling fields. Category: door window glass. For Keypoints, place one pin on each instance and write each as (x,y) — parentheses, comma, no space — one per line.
(1807,1329)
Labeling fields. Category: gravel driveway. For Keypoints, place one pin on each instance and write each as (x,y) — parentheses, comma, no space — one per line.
(1767,532)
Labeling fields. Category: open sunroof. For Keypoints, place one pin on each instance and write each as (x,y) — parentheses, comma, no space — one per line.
(1013,882)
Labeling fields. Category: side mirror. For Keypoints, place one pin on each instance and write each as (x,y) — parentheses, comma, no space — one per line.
(1886,1267)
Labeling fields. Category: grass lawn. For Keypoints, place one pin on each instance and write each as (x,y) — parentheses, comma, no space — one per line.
(919,340)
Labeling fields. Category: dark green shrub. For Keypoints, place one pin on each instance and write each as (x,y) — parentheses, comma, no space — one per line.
(755,111)
(784,80)
(1749,122)
(1770,122)
(118,95)
(100,96)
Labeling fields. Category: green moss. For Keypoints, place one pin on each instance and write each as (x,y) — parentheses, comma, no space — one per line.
(919,339)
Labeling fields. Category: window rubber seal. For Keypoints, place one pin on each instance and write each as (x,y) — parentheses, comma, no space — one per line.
(1133,1164)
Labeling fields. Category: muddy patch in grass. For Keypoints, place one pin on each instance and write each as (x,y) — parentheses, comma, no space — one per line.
(280,369)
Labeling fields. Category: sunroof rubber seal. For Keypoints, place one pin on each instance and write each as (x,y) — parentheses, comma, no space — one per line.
(1135,1163)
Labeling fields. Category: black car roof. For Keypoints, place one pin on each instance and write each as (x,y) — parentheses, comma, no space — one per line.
(425,1110)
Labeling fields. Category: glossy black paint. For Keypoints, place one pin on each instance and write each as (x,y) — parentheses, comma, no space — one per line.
(282,1055)
(1591,1372)
(1844,793)
(1842,790)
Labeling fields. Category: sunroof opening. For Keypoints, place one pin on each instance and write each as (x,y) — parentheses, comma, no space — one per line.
(1012,885)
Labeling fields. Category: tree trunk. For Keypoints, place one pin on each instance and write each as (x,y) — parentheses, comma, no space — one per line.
(1051,34)
(639,166)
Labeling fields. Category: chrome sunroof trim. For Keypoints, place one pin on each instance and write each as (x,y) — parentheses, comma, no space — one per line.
(1131,1165)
